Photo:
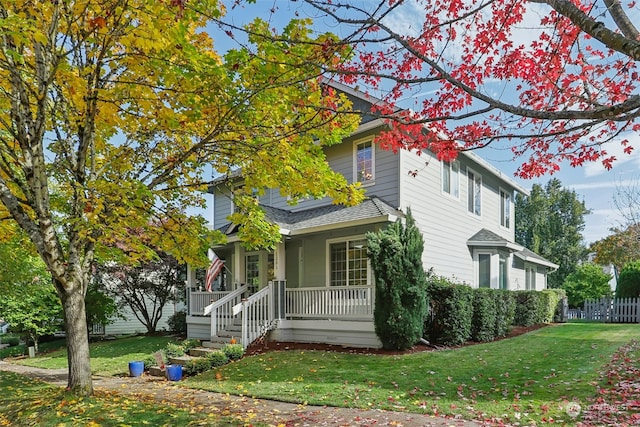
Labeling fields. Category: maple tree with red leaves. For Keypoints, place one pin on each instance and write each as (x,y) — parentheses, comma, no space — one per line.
(556,79)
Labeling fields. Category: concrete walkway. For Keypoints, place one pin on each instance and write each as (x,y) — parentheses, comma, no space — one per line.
(244,409)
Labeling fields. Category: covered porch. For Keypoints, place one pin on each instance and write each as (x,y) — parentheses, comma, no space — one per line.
(315,286)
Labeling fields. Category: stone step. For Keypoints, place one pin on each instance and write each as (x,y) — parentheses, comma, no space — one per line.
(181,360)
(216,344)
(156,371)
(202,351)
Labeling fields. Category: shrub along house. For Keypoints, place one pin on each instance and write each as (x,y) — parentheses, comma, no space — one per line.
(317,285)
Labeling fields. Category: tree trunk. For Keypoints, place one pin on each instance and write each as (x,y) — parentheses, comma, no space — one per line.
(75,320)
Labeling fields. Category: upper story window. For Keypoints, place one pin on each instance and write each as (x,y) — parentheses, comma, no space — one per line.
(451,178)
(505,209)
(364,162)
(474,190)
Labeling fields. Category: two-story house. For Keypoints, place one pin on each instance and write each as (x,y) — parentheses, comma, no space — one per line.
(324,281)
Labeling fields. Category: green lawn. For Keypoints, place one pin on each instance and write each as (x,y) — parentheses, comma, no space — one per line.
(107,357)
(27,402)
(527,379)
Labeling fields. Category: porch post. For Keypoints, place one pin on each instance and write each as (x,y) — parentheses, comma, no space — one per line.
(238,265)
(278,291)
(279,261)
(190,284)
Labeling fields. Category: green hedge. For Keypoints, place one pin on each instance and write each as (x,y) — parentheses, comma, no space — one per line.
(553,304)
(505,312)
(531,308)
(483,324)
(450,312)
(458,313)
(12,340)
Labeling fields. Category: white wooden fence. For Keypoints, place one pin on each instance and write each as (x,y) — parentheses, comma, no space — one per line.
(619,310)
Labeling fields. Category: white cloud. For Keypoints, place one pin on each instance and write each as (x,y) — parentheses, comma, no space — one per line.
(614,148)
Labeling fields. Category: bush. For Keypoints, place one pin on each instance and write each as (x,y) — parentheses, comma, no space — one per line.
(401,306)
(173,350)
(12,340)
(483,324)
(149,361)
(189,344)
(531,308)
(233,351)
(178,322)
(217,358)
(505,312)
(629,281)
(588,281)
(553,304)
(451,312)
(196,366)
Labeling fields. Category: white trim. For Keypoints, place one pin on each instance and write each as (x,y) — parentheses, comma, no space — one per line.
(494,267)
(510,208)
(536,260)
(495,171)
(357,142)
(444,165)
(475,175)
(496,244)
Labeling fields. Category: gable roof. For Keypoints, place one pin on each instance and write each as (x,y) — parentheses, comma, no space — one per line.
(328,217)
(487,238)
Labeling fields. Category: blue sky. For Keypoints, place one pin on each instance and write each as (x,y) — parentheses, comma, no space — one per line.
(594,184)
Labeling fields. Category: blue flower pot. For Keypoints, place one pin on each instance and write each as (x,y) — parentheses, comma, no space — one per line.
(136,368)
(174,372)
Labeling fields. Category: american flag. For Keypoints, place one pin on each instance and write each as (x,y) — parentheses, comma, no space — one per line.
(214,269)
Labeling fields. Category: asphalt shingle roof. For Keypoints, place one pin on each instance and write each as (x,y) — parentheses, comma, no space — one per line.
(329,214)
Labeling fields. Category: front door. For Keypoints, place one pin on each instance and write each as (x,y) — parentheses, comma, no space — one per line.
(259,269)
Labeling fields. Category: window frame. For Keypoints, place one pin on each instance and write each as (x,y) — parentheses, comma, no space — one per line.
(347,240)
(494,268)
(476,203)
(448,168)
(356,178)
(505,208)
(530,273)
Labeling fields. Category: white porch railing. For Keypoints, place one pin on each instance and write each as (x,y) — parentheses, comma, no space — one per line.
(334,302)
(222,310)
(199,300)
(257,314)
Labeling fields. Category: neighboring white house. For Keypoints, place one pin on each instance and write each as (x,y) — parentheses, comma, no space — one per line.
(129,324)
(464,208)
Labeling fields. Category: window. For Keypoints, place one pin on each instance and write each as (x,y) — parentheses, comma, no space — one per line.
(252,271)
(364,162)
(484,270)
(503,277)
(348,263)
(505,209)
(530,278)
(450,178)
(474,184)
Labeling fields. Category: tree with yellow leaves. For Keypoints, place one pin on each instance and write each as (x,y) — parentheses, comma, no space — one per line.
(111,111)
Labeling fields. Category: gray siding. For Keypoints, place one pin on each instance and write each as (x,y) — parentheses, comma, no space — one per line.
(444,220)
(131,325)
